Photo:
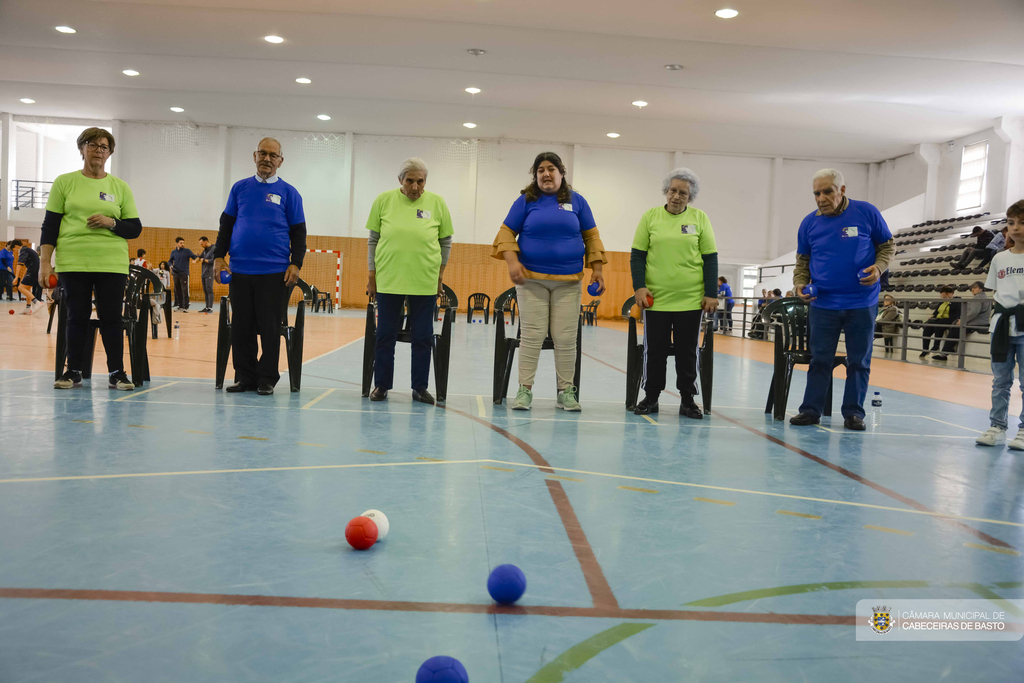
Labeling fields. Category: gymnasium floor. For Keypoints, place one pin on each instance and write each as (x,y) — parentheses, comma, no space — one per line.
(184,534)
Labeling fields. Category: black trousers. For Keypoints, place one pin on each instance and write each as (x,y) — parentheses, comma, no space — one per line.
(661,330)
(257,302)
(931,329)
(208,290)
(6,283)
(180,289)
(389,322)
(78,297)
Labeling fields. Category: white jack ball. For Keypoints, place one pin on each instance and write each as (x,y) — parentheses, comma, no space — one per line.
(381,520)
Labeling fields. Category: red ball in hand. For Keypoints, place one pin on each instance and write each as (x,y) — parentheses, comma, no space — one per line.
(650,301)
(53,281)
(361,533)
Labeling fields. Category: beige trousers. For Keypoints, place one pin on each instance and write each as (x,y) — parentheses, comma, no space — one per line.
(548,305)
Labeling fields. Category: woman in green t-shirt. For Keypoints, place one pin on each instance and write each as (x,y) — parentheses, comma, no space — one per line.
(410,239)
(90,216)
(674,264)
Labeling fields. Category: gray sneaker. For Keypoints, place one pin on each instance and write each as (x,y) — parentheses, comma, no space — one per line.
(993,437)
(567,400)
(524,397)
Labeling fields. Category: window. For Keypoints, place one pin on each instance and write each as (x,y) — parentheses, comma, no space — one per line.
(972,176)
(749,281)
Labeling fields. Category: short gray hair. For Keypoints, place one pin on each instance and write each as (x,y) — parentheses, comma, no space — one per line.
(280,148)
(412,164)
(682,173)
(832,174)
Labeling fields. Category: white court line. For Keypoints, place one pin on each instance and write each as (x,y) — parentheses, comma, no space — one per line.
(869,433)
(317,399)
(15,379)
(343,346)
(145,391)
(225,405)
(480,406)
(614,422)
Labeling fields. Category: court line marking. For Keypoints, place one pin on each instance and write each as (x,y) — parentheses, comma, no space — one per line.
(144,391)
(992,549)
(497,469)
(318,399)
(84,421)
(218,405)
(346,345)
(650,419)
(363,450)
(547,469)
(715,501)
(555,476)
(581,653)
(318,445)
(15,379)
(797,514)
(193,431)
(638,490)
(847,432)
(480,406)
(255,438)
(615,422)
(888,530)
(141,427)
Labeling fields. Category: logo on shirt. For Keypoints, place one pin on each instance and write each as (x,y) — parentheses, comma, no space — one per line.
(1003,272)
(565,207)
(107,197)
(850,232)
(274,198)
(688,229)
(423,213)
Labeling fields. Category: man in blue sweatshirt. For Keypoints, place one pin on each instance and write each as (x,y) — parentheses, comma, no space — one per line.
(842,248)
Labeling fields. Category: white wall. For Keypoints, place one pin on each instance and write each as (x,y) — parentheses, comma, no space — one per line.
(949,175)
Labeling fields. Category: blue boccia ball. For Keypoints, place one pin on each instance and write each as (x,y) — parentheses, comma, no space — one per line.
(225,277)
(506,584)
(442,669)
(811,290)
(594,288)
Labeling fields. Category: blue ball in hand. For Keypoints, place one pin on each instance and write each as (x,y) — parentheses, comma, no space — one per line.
(594,288)
(506,584)
(225,277)
(811,290)
(442,669)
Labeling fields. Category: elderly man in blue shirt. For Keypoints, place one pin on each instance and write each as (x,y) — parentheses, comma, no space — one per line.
(264,230)
(842,248)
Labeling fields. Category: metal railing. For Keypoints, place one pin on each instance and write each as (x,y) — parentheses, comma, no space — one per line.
(971,341)
(30,194)
(782,269)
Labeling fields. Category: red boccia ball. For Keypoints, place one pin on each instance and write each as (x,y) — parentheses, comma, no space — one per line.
(361,533)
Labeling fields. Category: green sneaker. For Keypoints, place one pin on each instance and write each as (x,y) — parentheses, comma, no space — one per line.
(567,400)
(524,397)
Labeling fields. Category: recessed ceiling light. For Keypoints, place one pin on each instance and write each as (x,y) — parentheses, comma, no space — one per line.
(613,135)
(726,13)
(66,29)
(469,125)
(177,110)
(27,100)
(476,52)
(472,91)
(639,103)
(323,117)
(130,72)
(273,39)
(674,67)
(303,81)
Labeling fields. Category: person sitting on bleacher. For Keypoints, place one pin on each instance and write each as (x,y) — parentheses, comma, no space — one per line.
(988,245)
(947,314)
(889,322)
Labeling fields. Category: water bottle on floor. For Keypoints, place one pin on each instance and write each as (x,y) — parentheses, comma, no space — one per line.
(876,409)
(177,330)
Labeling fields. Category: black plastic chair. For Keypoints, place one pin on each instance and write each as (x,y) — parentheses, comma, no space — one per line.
(448,302)
(590,312)
(507,303)
(789,317)
(134,317)
(635,359)
(322,300)
(505,348)
(479,302)
(294,335)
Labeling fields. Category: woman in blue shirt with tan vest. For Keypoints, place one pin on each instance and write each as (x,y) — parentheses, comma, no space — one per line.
(546,238)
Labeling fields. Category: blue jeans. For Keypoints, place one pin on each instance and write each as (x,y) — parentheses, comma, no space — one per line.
(825,326)
(1002,383)
(421,325)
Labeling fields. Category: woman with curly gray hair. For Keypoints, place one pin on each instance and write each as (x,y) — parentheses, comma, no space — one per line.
(674,264)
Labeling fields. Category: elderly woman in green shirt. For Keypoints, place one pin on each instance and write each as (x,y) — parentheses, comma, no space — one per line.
(674,265)
(410,240)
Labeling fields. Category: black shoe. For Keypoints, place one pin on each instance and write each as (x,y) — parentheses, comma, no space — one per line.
(423,397)
(265,389)
(239,387)
(120,381)
(855,423)
(378,394)
(923,354)
(690,409)
(68,380)
(940,356)
(804,419)
(646,407)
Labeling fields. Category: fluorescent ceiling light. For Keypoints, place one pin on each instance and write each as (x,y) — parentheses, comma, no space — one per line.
(674,67)
(273,39)
(469,125)
(726,13)
(323,117)
(613,135)
(303,81)
(26,100)
(472,91)
(639,103)
(66,29)
(130,72)
(177,110)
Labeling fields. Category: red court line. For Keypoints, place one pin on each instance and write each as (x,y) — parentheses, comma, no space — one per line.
(992,540)
(434,607)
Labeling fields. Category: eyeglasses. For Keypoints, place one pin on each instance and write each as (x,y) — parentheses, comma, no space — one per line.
(95,147)
(268,155)
(673,191)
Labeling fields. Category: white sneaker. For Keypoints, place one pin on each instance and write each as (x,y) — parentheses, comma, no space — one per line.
(1018,442)
(995,436)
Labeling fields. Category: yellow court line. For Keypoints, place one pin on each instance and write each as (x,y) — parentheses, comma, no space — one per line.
(649,419)
(85,421)
(144,391)
(888,530)
(142,427)
(555,476)
(318,445)
(15,379)
(317,399)
(797,514)
(638,490)
(499,469)
(362,450)
(716,502)
(480,406)
(425,459)
(1004,551)
(193,431)
(255,438)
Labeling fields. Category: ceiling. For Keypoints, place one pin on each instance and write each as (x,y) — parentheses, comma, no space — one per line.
(857,80)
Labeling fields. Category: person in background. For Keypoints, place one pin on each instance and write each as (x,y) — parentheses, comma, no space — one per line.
(263,228)
(789,293)
(163,272)
(140,259)
(7,271)
(888,323)
(982,237)
(723,318)
(28,279)
(1006,278)
(763,299)
(843,248)
(994,246)
(547,238)
(410,240)
(948,313)
(977,310)
(206,257)
(776,293)
(181,258)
